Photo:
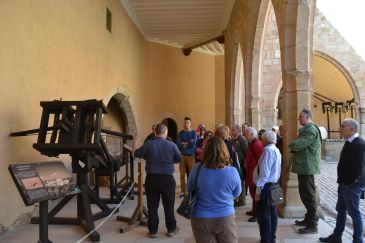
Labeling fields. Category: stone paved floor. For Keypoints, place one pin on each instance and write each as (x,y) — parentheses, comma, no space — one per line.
(247,232)
(327,185)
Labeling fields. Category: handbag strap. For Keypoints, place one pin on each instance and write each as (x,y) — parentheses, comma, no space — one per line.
(196,177)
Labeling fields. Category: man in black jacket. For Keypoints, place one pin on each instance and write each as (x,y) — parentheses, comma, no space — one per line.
(351,182)
(241,145)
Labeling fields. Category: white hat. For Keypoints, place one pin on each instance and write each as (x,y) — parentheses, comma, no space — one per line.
(276,128)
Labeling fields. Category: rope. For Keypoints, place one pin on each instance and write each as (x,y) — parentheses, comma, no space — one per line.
(115,209)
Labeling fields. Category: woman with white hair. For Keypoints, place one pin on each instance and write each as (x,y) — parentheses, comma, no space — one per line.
(267,173)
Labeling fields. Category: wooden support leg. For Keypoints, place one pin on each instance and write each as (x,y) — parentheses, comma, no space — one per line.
(87,220)
(140,211)
(83,207)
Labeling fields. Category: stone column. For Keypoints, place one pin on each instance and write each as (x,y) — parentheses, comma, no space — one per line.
(362,122)
(296,96)
(295,25)
(256,112)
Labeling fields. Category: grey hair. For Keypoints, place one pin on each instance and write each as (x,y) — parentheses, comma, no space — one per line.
(308,113)
(352,123)
(269,137)
(252,130)
(237,128)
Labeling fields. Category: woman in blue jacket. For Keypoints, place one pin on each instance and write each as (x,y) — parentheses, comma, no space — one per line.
(213,218)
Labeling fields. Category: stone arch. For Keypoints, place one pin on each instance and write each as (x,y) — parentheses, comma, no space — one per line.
(329,42)
(266,73)
(126,107)
(121,94)
(346,73)
(257,59)
(116,118)
(240,30)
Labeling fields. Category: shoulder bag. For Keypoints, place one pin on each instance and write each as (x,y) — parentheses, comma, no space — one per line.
(187,204)
(275,192)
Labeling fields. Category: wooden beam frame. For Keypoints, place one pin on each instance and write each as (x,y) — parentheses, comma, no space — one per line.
(189,48)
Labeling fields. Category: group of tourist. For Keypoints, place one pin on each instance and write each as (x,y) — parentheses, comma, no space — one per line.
(241,160)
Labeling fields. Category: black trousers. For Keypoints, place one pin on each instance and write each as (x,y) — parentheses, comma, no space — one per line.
(160,186)
(308,195)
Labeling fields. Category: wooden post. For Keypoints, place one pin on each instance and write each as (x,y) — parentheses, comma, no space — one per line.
(140,211)
(140,191)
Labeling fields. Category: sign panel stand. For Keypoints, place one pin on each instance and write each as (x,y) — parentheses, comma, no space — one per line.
(43,222)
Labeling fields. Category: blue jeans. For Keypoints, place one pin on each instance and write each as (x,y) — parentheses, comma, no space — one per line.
(267,217)
(348,202)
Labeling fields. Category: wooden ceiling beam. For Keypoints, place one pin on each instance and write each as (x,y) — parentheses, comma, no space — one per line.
(189,48)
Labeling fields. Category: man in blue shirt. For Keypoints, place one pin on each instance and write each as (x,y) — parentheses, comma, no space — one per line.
(160,155)
(267,173)
(186,142)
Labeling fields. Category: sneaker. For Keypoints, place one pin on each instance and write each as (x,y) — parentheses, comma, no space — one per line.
(173,232)
(330,239)
(300,222)
(152,236)
(252,219)
(308,230)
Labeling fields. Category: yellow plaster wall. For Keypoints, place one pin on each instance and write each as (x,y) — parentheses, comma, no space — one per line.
(61,49)
(329,81)
(184,85)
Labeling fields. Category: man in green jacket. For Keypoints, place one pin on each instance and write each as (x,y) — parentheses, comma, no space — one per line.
(307,154)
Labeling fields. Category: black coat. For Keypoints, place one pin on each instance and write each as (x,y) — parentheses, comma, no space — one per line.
(234,156)
(351,167)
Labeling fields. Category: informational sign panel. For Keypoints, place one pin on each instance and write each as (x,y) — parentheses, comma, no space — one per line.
(37,182)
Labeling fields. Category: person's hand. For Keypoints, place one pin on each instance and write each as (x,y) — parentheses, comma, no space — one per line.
(257,198)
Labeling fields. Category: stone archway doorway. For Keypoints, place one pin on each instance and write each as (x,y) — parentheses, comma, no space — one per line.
(172,128)
(120,118)
(115,119)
